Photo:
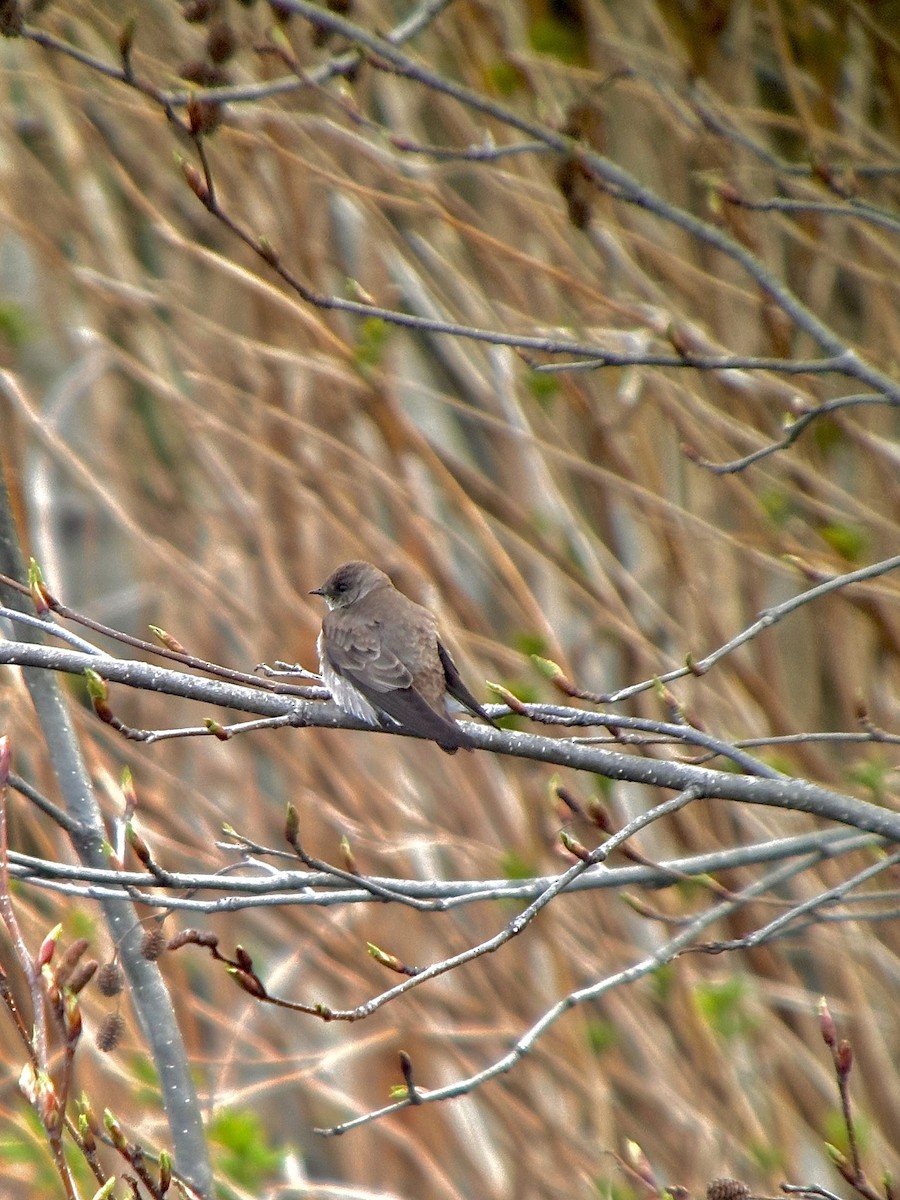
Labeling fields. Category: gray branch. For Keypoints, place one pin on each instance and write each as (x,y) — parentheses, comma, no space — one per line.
(784,792)
(150,998)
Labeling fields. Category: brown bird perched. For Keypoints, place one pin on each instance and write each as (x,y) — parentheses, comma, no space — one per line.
(380,654)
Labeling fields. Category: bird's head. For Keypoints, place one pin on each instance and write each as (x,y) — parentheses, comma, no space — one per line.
(349,583)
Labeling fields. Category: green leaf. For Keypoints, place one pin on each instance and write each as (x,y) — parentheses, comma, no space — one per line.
(601,1035)
(369,352)
(724,1005)
(777,505)
(543,387)
(529,642)
(873,775)
(505,78)
(603,787)
(827,434)
(848,540)
(247,1159)
(514,866)
(661,980)
(560,39)
(835,1132)
(16,325)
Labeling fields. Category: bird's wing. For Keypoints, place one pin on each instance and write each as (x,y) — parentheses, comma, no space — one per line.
(457,688)
(358,653)
(357,650)
(410,710)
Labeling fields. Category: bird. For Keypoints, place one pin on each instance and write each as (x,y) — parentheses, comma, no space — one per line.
(380,654)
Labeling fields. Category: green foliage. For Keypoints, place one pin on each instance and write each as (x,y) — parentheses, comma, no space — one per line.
(777,505)
(724,1005)
(601,1036)
(661,980)
(613,1189)
(23,1144)
(848,540)
(509,722)
(557,38)
(835,1131)
(24,1154)
(603,786)
(544,388)
(16,325)
(827,434)
(80,923)
(368,354)
(514,866)
(504,78)
(779,762)
(247,1158)
(873,774)
(770,1159)
(529,642)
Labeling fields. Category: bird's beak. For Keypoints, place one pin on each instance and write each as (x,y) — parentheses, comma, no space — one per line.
(316,592)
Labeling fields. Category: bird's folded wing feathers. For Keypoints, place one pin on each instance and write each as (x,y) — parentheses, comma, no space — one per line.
(457,688)
(381,678)
(359,653)
(409,709)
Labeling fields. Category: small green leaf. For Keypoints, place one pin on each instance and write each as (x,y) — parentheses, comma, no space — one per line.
(873,775)
(16,325)
(603,786)
(834,1131)
(369,352)
(530,642)
(546,667)
(505,78)
(247,1157)
(661,980)
(560,39)
(514,866)
(544,387)
(827,434)
(725,1007)
(848,540)
(601,1035)
(777,505)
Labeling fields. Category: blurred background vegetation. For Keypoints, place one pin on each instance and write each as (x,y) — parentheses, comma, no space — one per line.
(195,448)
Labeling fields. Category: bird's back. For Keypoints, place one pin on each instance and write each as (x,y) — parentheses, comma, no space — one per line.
(413,641)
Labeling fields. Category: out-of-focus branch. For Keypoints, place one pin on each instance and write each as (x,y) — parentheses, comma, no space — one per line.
(384,52)
(149,995)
